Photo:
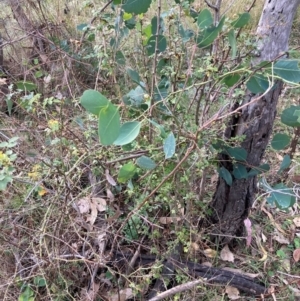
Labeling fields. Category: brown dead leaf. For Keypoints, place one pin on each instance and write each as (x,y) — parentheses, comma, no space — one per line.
(210,253)
(279,157)
(110,195)
(296,255)
(296,221)
(165,220)
(84,205)
(109,178)
(241,272)
(92,217)
(226,254)
(91,294)
(123,295)
(279,237)
(100,204)
(232,292)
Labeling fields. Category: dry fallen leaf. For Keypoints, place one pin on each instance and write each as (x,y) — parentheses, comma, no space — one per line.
(279,237)
(241,272)
(165,220)
(100,204)
(84,205)
(296,221)
(109,178)
(232,292)
(248,225)
(210,253)
(91,294)
(92,217)
(296,255)
(226,254)
(123,295)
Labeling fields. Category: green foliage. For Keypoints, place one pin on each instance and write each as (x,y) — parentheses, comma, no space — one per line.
(145,163)
(169,146)
(280,141)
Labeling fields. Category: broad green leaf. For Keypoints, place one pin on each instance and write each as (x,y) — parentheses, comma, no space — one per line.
(93,101)
(285,163)
(27,295)
(126,172)
(297,113)
(109,124)
(241,21)
(154,26)
(280,141)
(232,42)
(136,6)
(185,34)
(130,24)
(225,174)
(4,182)
(145,163)
(289,118)
(205,19)
(231,79)
(39,281)
(161,44)
(283,196)
(258,83)
(169,146)
(120,58)
(135,97)
(128,132)
(208,36)
(237,153)
(288,70)
(163,133)
(258,170)
(82,27)
(147,32)
(116,2)
(240,171)
(134,76)
(26,86)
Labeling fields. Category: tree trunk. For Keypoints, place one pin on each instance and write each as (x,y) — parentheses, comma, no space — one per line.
(231,204)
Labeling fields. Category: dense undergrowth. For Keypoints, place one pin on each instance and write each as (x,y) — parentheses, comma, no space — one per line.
(90,211)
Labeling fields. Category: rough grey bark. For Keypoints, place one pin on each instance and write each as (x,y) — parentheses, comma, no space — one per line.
(231,204)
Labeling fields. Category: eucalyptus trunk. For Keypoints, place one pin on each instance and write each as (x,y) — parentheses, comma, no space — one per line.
(231,204)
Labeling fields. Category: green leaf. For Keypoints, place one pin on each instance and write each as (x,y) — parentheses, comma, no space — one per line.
(154,26)
(288,70)
(208,36)
(82,27)
(280,141)
(285,163)
(231,79)
(26,86)
(232,42)
(27,295)
(120,58)
(126,172)
(240,171)
(163,133)
(283,196)
(161,44)
(258,83)
(241,21)
(134,76)
(237,153)
(93,101)
(109,124)
(39,281)
(4,182)
(258,170)
(136,6)
(116,2)
(288,116)
(9,104)
(135,97)
(225,174)
(128,132)
(169,146)
(147,32)
(145,163)
(205,19)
